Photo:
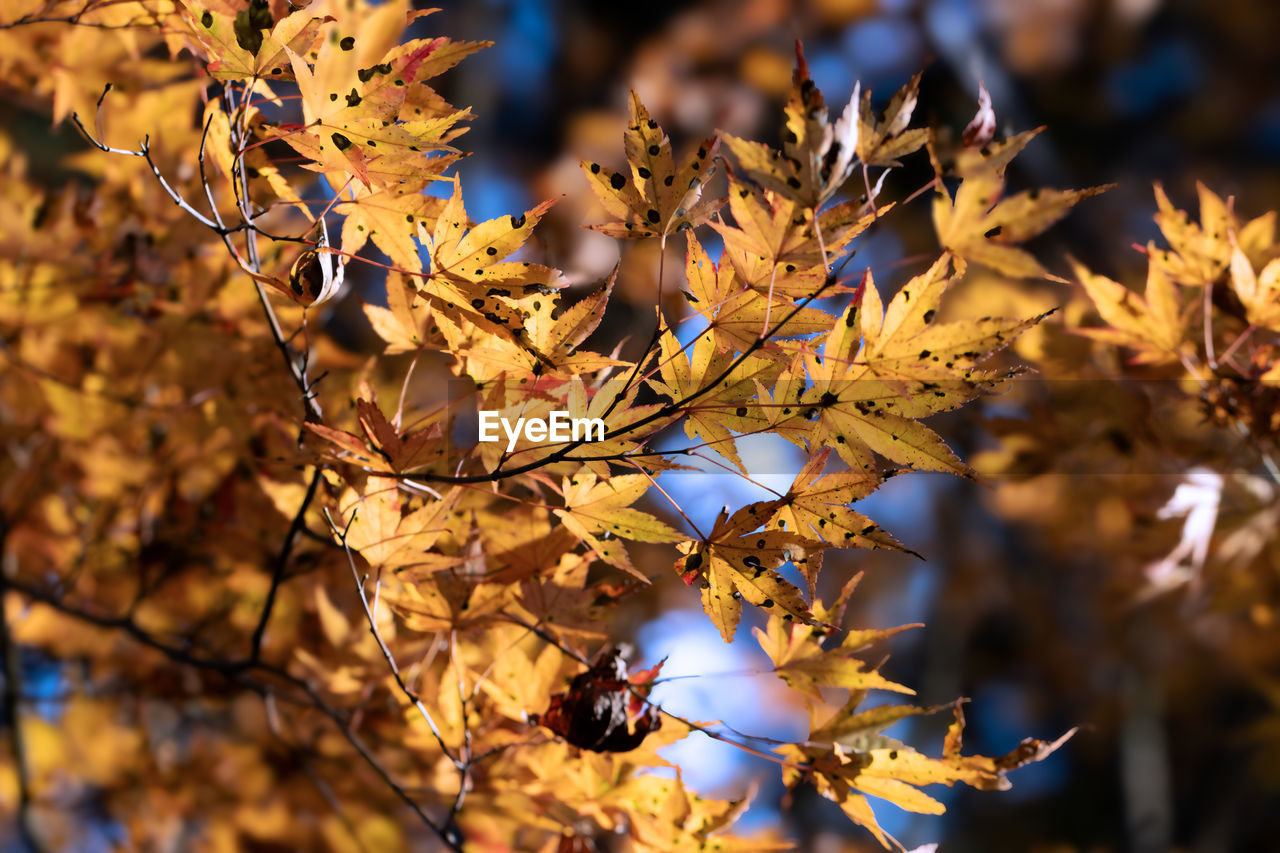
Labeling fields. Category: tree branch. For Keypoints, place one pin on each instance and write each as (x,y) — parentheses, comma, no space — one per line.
(145,153)
(238,672)
(282,562)
(386,652)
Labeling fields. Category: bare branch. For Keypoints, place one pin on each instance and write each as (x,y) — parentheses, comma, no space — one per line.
(282,562)
(386,652)
(238,671)
(145,153)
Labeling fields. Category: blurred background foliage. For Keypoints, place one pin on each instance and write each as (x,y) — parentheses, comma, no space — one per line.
(1031,588)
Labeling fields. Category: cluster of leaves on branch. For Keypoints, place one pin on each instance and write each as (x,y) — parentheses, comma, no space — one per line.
(308,610)
(1187,364)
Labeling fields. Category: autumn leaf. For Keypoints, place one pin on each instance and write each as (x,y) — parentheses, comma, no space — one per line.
(908,342)
(402,324)
(1198,253)
(317,274)
(884,142)
(1259,292)
(735,563)
(775,245)
(816,157)
(725,406)
(979,226)
(476,255)
(386,536)
(817,506)
(982,128)
(658,200)
(341,136)
(670,819)
(800,660)
(287,520)
(556,333)
(893,771)
(593,713)
(599,512)
(249,43)
(1152,325)
(860,729)
(736,313)
(390,218)
(469,271)
(862,414)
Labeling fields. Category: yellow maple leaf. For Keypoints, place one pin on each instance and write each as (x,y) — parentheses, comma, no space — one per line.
(599,512)
(658,200)
(1152,325)
(978,225)
(735,562)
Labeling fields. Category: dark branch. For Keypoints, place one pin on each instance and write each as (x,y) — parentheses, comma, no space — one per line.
(282,562)
(238,671)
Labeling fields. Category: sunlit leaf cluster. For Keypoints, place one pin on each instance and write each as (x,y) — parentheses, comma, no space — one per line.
(295,603)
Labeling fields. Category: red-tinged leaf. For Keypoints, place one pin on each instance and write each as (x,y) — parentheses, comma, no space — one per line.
(816,157)
(593,713)
(249,43)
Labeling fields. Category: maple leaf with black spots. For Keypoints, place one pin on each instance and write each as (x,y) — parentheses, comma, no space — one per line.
(816,157)
(737,561)
(658,200)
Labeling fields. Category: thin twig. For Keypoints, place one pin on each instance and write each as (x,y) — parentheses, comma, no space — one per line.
(404,390)
(465,749)
(447,834)
(653,338)
(204,177)
(145,153)
(1208,327)
(240,182)
(1235,345)
(282,562)
(670,499)
(302,756)
(773,277)
(409,694)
